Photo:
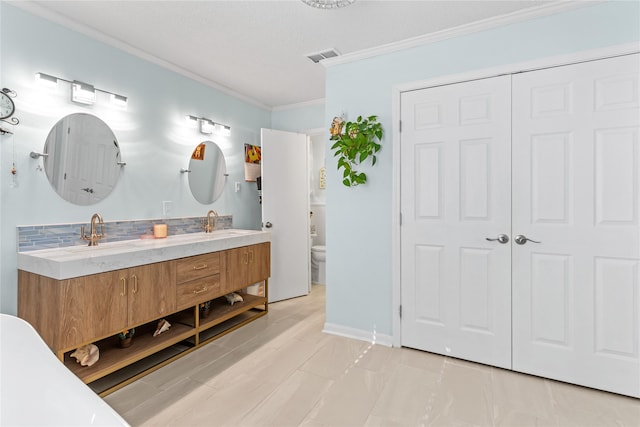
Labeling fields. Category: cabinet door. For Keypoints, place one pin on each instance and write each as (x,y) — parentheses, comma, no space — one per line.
(259,265)
(93,307)
(152,292)
(235,273)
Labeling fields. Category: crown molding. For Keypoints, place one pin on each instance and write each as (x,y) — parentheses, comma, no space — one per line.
(473,27)
(49,15)
(311,103)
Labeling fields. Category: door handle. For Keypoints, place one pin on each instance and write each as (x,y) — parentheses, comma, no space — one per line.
(268,225)
(502,238)
(521,240)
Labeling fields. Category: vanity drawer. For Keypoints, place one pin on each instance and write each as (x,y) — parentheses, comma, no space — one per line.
(196,291)
(197,266)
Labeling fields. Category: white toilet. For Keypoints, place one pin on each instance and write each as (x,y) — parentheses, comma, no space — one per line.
(318,259)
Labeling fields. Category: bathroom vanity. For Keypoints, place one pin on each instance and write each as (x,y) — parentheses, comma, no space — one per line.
(89,294)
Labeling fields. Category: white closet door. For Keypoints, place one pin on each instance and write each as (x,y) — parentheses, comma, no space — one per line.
(455,193)
(576,294)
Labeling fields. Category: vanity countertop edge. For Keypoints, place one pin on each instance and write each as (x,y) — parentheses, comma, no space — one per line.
(75,261)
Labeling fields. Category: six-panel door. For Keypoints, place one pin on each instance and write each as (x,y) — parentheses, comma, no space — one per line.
(576,180)
(456,194)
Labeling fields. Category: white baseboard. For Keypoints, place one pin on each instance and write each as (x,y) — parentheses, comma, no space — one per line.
(358,334)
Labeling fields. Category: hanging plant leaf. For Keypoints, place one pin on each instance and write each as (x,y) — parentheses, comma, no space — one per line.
(354,145)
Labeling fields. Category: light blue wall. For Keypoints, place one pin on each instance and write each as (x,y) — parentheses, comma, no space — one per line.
(299,119)
(359,226)
(154,138)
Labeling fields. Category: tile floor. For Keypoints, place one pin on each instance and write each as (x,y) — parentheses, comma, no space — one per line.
(281,370)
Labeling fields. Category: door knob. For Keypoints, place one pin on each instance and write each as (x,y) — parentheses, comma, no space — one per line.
(268,225)
(502,238)
(521,240)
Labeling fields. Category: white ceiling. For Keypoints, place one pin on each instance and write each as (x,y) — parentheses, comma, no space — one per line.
(257,49)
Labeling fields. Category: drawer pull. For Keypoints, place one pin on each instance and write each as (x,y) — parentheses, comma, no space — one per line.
(199,267)
(199,291)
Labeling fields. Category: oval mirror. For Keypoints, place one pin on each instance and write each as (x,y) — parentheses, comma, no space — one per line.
(82,162)
(208,170)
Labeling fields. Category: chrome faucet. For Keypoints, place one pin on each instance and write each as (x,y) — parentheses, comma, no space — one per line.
(93,236)
(210,227)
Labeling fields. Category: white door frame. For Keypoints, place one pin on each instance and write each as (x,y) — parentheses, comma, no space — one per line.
(553,61)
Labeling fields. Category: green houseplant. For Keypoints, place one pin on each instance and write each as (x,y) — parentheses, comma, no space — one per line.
(355,143)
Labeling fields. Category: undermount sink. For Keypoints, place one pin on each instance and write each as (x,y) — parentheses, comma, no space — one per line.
(202,236)
(231,232)
(96,248)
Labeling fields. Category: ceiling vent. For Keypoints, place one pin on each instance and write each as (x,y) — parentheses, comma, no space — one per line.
(319,56)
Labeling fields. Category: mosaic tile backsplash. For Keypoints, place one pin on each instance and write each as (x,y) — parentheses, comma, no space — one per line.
(34,237)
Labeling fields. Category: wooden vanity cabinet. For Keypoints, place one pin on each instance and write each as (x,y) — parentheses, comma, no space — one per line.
(198,279)
(68,313)
(93,309)
(259,265)
(87,308)
(92,306)
(246,266)
(151,292)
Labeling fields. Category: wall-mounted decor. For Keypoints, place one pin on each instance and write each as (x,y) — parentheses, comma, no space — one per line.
(355,143)
(323,178)
(7,108)
(198,153)
(252,157)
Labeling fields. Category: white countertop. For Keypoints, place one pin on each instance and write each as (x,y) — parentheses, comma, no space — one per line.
(38,390)
(75,261)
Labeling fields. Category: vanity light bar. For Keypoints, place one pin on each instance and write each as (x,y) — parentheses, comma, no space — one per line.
(83,93)
(208,126)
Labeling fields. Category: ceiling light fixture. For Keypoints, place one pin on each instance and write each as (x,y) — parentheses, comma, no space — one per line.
(328,4)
